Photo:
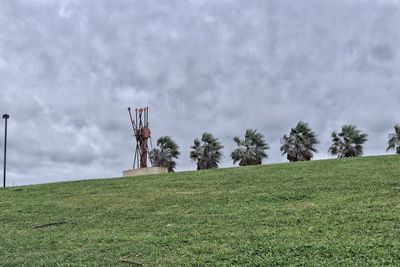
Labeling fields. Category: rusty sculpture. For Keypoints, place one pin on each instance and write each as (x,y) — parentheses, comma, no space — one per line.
(142,134)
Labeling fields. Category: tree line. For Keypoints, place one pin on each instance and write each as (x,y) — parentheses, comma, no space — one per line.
(299,145)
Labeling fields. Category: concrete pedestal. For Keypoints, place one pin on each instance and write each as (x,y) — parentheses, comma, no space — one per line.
(145,171)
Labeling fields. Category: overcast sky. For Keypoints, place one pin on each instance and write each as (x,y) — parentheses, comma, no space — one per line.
(69,70)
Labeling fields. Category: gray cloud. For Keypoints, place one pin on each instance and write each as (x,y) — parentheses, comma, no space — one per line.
(69,69)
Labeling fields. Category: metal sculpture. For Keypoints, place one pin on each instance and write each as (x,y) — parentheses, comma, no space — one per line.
(5,117)
(142,133)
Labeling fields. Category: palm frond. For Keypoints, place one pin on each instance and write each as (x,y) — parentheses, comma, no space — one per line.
(300,144)
(251,149)
(348,143)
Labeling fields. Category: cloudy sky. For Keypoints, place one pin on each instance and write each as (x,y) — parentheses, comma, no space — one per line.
(69,69)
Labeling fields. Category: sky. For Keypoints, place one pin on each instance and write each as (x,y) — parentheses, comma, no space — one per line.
(69,70)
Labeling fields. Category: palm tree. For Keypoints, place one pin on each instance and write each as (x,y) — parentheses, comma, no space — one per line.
(207,153)
(394,139)
(251,150)
(348,143)
(300,144)
(165,154)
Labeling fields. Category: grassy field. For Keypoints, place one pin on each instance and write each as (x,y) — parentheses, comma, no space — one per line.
(326,213)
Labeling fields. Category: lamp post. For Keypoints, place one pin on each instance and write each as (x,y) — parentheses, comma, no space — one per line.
(5,117)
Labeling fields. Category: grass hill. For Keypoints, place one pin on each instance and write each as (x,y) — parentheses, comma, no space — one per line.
(327,213)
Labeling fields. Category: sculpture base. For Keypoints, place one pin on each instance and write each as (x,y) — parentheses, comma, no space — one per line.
(145,171)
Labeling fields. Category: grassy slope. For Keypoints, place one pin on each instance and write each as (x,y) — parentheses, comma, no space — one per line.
(331,212)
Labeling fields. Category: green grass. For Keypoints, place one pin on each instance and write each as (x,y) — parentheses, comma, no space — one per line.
(319,213)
